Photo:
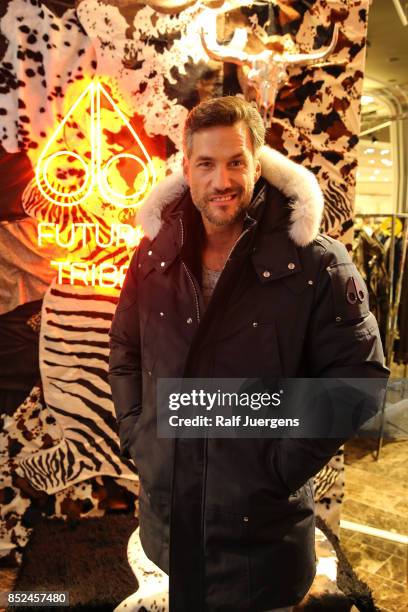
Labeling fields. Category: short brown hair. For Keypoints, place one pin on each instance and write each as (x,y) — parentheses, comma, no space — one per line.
(227,110)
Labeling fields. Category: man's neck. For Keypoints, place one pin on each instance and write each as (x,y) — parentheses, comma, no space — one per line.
(218,242)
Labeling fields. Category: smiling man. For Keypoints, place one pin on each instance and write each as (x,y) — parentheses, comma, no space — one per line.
(233,280)
(221,170)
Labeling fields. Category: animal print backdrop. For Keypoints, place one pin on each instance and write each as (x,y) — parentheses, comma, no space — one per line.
(59,453)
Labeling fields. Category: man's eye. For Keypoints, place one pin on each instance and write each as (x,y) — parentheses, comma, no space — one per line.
(204,164)
(237,163)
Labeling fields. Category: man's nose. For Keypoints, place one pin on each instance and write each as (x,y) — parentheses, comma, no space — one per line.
(221,178)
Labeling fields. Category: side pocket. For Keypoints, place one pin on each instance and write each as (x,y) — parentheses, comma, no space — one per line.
(148,344)
(281,550)
(226,560)
(275,471)
(133,441)
(154,528)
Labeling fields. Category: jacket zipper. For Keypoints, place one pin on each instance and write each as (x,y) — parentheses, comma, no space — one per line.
(205,464)
(190,277)
(195,291)
(205,446)
(202,526)
(237,241)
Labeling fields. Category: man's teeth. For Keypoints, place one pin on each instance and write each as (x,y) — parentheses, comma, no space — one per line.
(222,198)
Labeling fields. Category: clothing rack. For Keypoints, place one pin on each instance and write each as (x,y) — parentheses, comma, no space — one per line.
(393,305)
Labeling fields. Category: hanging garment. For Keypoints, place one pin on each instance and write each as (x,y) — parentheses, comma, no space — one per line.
(401,343)
(369,255)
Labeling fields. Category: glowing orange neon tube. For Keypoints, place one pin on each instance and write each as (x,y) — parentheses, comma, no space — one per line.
(96,172)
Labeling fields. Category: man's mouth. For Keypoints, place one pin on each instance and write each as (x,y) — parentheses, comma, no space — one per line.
(222,200)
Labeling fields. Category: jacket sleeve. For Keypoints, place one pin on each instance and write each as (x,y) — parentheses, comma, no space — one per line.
(125,359)
(342,342)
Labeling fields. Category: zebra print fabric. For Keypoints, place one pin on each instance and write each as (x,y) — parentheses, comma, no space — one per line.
(74,368)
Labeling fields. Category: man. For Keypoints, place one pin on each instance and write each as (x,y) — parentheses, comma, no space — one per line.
(233,280)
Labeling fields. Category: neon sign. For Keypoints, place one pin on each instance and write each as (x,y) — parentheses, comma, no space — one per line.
(103,275)
(96,169)
(83,234)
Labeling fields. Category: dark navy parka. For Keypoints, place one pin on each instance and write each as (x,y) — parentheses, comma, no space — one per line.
(232,520)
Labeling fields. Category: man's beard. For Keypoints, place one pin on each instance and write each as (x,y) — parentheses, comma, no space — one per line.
(210,214)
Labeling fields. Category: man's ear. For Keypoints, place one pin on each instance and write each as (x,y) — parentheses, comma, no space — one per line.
(185,169)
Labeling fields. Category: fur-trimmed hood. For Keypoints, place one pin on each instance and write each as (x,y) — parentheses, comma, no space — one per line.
(293,180)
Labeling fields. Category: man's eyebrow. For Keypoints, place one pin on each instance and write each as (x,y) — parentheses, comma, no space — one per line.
(208,158)
(204,158)
(237,155)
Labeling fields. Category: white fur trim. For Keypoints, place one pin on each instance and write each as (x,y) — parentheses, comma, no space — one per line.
(302,187)
(293,180)
(169,189)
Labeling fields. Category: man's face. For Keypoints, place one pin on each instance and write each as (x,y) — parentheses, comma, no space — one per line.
(221,173)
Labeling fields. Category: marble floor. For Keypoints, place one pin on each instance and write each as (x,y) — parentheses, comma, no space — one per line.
(376,495)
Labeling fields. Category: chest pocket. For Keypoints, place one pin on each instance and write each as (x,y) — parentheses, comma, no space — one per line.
(350,294)
(296,283)
(250,351)
(145,266)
